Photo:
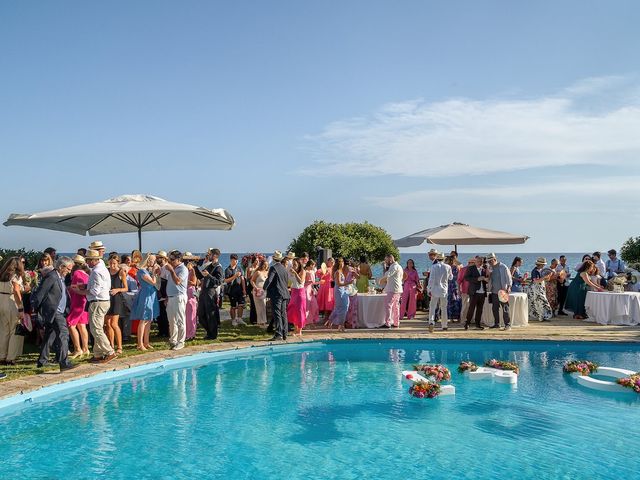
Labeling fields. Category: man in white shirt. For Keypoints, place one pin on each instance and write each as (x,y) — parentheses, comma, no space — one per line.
(177,299)
(393,288)
(438,288)
(602,268)
(99,301)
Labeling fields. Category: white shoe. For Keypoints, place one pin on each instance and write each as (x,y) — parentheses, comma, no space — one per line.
(240,322)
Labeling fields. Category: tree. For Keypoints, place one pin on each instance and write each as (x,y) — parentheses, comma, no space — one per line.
(630,251)
(349,240)
(31,256)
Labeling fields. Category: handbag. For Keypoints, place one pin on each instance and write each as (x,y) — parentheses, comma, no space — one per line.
(352,290)
(21,330)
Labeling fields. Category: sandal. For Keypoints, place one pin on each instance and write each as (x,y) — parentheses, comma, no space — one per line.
(119,351)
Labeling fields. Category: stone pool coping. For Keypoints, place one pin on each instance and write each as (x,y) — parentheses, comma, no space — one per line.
(558,330)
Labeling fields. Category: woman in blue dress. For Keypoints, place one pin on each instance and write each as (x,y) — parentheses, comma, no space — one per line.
(341,296)
(145,306)
(516,287)
(454,300)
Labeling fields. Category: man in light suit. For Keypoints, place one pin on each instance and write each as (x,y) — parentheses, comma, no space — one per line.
(438,288)
(278,293)
(51,301)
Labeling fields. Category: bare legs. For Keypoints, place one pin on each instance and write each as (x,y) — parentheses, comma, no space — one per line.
(144,327)
(112,329)
(84,338)
(75,338)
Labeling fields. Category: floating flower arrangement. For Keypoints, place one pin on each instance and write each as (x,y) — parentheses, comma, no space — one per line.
(438,372)
(425,389)
(467,366)
(583,367)
(503,365)
(632,382)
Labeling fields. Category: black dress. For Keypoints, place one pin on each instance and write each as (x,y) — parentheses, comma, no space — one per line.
(117,306)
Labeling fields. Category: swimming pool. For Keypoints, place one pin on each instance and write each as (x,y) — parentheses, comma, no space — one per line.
(334,410)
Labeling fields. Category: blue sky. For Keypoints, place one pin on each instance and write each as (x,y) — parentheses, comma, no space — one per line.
(518,116)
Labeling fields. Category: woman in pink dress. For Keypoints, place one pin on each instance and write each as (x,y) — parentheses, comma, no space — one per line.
(326,300)
(191,316)
(297,308)
(411,281)
(78,319)
(312,301)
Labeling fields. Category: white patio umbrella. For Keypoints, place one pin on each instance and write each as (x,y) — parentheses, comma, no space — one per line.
(126,214)
(460,234)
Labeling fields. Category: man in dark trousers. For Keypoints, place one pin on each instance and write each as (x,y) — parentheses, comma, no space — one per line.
(278,293)
(212,276)
(52,302)
(475,276)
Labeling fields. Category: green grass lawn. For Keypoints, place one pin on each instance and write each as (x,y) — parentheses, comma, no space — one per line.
(27,362)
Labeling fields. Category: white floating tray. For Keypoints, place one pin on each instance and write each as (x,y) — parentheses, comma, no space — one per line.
(500,376)
(605,385)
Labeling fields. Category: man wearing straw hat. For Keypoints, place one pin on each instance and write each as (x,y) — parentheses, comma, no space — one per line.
(438,288)
(98,299)
(177,300)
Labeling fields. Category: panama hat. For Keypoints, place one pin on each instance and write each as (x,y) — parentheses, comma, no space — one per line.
(93,255)
(541,261)
(491,256)
(97,245)
(79,259)
(162,254)
(190,256)
(277,256)
(291,255)
(439,256)
(433,251)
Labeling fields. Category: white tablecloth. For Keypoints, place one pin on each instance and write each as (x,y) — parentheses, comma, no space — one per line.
(371,312)
(518,311)
(608,308)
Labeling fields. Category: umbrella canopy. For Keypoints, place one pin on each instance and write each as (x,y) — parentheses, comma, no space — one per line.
(126,214)
(460,234)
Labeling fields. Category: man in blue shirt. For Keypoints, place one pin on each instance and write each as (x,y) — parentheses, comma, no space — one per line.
(614,264)
(177,299)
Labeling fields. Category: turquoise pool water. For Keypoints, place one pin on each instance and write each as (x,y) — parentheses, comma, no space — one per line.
(335,410)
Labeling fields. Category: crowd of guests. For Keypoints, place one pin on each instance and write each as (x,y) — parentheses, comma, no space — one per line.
(97,300)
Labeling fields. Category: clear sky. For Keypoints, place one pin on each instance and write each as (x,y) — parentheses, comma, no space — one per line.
(517,116)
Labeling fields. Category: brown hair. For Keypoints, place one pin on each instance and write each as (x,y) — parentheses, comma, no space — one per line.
(12,267)
(586,266)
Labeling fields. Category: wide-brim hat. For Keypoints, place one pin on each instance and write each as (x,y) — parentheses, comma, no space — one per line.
(541,261)
(162,254)
(190,256)
(79,259)
(433,251)
(491,256)
(439,256)
(97,245)
(93,255)
(291,255)
(277,256)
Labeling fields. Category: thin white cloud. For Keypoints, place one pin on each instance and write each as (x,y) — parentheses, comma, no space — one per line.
(576,126)
(599,195)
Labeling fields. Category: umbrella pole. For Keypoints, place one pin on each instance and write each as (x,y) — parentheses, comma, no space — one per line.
(140,239)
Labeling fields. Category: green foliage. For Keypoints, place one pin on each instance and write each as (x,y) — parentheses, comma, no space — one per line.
(349,240)
(31,256)
(630,251)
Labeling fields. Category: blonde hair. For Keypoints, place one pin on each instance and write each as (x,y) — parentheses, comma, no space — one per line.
(144,263)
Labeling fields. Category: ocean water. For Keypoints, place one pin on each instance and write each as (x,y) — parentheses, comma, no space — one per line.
(336,410)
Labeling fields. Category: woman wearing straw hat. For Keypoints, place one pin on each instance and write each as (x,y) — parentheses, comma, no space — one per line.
(539,307)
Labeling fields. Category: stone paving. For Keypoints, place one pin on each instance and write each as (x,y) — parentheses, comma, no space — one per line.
(558,329)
